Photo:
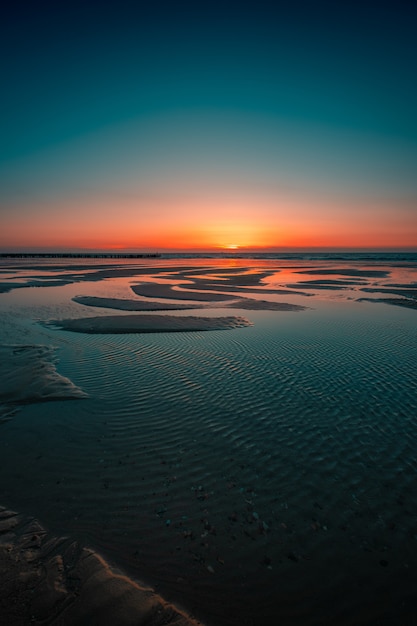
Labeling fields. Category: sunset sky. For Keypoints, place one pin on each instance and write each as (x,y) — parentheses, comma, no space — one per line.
(206,125)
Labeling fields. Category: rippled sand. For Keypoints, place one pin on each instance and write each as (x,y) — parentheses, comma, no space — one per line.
(124,304)
(28,374)
(127,324)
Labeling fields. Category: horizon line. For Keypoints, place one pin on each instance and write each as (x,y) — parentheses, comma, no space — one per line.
(43,250)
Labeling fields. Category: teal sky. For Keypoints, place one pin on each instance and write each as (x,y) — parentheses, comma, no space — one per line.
(156,111)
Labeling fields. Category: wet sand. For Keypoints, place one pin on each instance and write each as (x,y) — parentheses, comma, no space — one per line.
(259,476)
(131,305)
(50,580)
(127,324)
(408,303)
(206,292)
(201,286)
(155,290)
(249,304)
(28,374)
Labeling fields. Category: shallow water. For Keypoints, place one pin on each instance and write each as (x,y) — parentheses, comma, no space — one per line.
(262,474)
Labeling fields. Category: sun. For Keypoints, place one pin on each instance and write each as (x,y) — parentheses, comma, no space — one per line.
(232,246)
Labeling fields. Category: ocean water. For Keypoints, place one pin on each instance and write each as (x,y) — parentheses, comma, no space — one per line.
(265,474)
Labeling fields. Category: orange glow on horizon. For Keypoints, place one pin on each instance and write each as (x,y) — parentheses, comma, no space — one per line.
(213,223)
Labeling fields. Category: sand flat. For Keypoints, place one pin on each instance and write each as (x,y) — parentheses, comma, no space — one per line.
(202,291)
(404,302)
(82,273)
(347,272)
(250,304)
(406,293)
(6,287)
(131,305)
(121,324)
(157,290)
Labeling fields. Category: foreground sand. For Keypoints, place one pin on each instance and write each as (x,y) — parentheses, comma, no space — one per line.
(55,581)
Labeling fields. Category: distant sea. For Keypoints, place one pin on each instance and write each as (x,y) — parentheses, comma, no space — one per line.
(365,256)
(298,256)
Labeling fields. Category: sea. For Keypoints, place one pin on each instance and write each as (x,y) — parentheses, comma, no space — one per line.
(265,474)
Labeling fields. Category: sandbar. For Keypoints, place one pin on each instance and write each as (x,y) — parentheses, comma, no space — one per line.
(323,281)
(319,286)
(242,289)
(250,304)
(157,290)
(28,374)
(406,293)
(80,274)
(405,302)
(6,287)
(240,280)
(122,324)
(131,305)
(347,272)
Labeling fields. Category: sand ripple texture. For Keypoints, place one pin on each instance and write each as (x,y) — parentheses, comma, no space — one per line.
(264,475)
(123,324)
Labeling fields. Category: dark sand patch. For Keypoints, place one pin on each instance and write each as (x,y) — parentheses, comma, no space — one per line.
(406,293)
(86,274)
(48,282)
(37,282)
(6,287)
(156,290)
(121,324)
(249,304)
(28,374)
(126,272)
(217,270)
(46,580)
(243,289)
(348,272)
(404,302)
(330,282)
(264,305)
(131,305)
(318,286)
(240,280)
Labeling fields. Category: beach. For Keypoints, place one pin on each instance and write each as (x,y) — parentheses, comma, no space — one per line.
(226,441)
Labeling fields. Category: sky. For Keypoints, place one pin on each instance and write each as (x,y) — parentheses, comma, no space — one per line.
(208,125)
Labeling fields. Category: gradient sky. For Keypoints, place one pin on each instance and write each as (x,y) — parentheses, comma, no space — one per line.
(173,125)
